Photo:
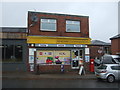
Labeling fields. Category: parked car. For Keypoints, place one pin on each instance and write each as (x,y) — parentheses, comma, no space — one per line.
(109,72)
(110,59)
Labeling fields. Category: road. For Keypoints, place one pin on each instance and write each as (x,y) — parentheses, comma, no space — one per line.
(57,83)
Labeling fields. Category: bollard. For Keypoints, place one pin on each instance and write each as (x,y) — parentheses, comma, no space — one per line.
(37,71)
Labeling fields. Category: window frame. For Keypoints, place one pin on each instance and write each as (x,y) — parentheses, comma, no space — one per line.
(73,23)
(48,22)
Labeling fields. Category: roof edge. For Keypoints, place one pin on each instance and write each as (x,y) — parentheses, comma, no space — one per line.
(57,14)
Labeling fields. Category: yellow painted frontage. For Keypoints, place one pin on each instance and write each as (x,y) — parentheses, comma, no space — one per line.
(57,40)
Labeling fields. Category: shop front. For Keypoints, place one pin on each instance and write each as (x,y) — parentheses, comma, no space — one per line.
(57,54)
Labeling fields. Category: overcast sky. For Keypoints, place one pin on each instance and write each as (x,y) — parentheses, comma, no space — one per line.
(103,16)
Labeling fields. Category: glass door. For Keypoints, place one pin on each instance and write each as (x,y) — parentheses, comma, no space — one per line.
(76,58)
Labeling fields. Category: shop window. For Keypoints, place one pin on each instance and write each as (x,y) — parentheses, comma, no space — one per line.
(53,57)
(11,53)
(18,52)
(2,49)
(45,57)
(72,26)
(62,57)
(48,25)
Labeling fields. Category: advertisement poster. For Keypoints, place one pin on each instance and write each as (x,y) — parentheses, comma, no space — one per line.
(63,56)
(50,57)
(87,58)
(87,51)
(31,51)
(44,56)
(31,59)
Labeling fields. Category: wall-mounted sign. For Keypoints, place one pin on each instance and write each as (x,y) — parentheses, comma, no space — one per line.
(79,45)
(57,40)
(61,45)
(31,59)
(87,58)
(87,51)
(43,45)
(31,51)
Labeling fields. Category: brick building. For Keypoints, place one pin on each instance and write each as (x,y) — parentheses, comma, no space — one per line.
(115,44)
(13,48)
(99,48)
(53,37)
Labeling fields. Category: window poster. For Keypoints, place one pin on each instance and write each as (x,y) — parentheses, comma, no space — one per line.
(31,51)
(53,57)
(31,59)
(44,57)
(87,58)
(63,56)
(87,51)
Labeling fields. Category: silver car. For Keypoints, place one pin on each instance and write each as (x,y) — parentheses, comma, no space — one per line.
(109,72)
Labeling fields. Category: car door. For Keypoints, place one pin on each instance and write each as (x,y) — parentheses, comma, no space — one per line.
(115,71)
(119,72)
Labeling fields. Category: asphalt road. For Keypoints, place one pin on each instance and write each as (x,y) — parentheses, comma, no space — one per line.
(54,83)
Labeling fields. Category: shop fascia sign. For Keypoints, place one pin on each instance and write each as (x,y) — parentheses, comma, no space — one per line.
(57,40)
(59,45)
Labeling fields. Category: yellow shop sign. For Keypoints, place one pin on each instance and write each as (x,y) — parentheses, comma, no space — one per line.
(57,40)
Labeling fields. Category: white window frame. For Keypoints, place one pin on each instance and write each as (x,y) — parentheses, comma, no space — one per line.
(48,21)
(72,23)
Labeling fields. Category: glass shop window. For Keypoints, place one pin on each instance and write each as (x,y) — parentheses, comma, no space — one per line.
(18,52)
(11,53)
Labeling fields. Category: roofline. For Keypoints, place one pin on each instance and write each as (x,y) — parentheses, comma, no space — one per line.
(57,14)
(114,38)
(14,27)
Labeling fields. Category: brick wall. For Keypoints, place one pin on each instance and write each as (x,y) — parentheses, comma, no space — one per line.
(115,46)
(61,25)
(56,69)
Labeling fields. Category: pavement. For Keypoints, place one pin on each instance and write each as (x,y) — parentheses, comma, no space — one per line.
(33,76)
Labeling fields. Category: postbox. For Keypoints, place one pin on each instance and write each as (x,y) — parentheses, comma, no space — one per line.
(91,65)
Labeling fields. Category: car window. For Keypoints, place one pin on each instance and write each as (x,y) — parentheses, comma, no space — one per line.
(118,59)
(102,67)
(115,67)
(107,60)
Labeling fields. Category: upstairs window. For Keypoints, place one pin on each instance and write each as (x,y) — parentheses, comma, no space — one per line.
(72,26)
(48,25)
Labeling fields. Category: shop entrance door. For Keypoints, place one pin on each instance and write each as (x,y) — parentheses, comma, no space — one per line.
(76,56)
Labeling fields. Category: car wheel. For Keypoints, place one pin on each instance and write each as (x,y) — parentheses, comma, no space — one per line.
(110,78)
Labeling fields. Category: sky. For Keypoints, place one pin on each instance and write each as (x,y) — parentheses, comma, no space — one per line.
(103,16)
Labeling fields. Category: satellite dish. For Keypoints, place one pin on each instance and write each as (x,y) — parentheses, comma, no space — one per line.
(34,18)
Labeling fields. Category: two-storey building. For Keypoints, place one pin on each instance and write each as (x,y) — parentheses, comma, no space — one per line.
(57,41)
